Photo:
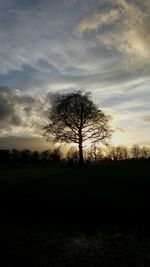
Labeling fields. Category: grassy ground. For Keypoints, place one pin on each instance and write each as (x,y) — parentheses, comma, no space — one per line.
(118,188)
(60,216)
(45,244)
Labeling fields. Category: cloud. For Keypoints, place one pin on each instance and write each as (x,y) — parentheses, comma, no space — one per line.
(129,35)
(4,89)
(97,19)
(7,107)
(146,118)
(28,142)
(24,99)
(119,129)
(61,58)
(51,97)
(35,48)
(16,120)
(38,34)
(20,112)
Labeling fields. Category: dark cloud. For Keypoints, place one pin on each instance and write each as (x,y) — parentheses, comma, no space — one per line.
(33,143)
(23,113)
(7,107)
(4,89)
(28,110)
(15,108)
(16,120)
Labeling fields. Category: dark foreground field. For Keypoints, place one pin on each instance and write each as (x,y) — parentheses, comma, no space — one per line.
(60,216)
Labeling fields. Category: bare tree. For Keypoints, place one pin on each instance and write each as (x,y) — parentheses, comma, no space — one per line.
(145,152)
(97,153)
(136,151)
(74,118)
(118,153)
(72,154)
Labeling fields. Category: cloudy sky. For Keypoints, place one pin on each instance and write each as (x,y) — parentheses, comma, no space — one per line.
(51,46)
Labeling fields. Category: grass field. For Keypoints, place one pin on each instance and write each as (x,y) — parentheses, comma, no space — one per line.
(118,187)
(61,216)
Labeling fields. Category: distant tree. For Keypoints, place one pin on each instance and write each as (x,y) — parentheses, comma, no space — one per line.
(121,152)
(111,153)
(15,156)
(35,156)
(45,156)
(74,118)
(97,153)
(72,155)
(55,155)
(136,151)
(145,152)
(118,153)
(4,156)
(51,155)
(25,156)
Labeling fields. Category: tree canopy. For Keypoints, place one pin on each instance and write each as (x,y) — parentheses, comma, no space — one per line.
(74,118)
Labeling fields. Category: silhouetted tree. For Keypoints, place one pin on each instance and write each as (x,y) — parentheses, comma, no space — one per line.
(97,153)
(49,156)
(15,156)
(88,155)
(25,156)
(4,156)
(136,151)
(35,156)
(55,155)
(118,153)
(74,118)
(45,156)
(145,152)
(72,155)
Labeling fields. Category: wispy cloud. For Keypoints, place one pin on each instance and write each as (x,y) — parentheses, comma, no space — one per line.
(129,34)
(97,19)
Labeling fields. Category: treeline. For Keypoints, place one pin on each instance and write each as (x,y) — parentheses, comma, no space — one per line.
(111,153)
(16,157)
(92,155)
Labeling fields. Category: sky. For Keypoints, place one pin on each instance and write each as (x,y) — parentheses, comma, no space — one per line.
(49,47)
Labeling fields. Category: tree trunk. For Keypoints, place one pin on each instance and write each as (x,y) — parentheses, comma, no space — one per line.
(81,159)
